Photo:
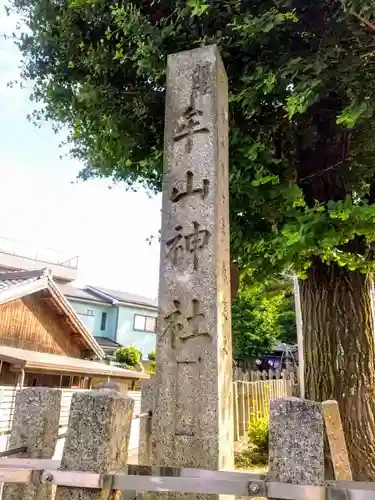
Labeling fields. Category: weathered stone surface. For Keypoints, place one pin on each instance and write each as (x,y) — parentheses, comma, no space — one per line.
(296,442)
(145,424)
(35,425)
(336,440)
(107,386)
(97,438)
(192,424)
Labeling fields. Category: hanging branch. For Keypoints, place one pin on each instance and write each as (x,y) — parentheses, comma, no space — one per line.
(363,20)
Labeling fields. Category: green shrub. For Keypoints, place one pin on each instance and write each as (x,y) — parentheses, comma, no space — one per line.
(253,449)
(258,434)
(130,355)
(152,355)
(243,458)
(150,367)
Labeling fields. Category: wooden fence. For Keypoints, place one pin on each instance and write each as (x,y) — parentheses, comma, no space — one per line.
(252,400)
(272,374)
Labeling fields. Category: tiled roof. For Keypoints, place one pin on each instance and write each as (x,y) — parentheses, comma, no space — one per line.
(106,342)
(126,297)
(79,293)
(18,284)
(105,295)
(11,278)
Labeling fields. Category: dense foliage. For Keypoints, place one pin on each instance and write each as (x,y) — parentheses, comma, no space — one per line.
(151,367)
(130,356)
(152,355)
(301,79)
(262,314)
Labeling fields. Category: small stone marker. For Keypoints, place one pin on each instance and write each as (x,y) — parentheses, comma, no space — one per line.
(296,442)
(336,441)
(97,438)
(192,424)
(35,425)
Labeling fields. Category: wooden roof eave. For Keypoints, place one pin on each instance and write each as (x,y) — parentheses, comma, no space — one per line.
(33,367)
(45,282)
(64,305)
(23,289)
(33,362)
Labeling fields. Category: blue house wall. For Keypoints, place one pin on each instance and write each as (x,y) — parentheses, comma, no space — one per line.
(130,320)
(127,335)
(93,322)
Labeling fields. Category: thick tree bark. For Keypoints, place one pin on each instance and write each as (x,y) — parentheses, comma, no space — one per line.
(338,326)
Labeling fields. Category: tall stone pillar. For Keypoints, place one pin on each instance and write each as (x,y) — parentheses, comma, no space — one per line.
(192,424)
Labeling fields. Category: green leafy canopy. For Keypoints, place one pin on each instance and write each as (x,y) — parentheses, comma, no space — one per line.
(301,79)
(262,314)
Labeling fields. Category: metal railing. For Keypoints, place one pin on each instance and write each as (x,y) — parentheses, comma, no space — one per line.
(138,478)
(46,255)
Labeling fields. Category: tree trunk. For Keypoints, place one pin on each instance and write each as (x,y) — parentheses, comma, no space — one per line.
(339,353)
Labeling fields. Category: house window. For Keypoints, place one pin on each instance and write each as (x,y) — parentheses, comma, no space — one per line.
(139,322)
(150,324)
(144,323)
(103,322)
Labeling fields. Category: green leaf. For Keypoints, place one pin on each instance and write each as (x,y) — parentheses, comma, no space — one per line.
(265,179)
(198,7)
(354,112)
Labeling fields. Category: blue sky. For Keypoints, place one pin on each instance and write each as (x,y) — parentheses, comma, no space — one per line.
(107,228)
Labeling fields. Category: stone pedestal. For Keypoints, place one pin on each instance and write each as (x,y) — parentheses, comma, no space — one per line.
(192,424)
(97,439)
(35,425)
(296,442)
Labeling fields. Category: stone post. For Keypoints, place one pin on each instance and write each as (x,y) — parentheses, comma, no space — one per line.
(296,442)
(97,438)
(35,425)
(145,424)
(193,417)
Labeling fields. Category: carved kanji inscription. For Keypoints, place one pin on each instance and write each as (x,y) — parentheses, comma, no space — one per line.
(223,119)
(222,225)
(224,272)
(189,124)
(175,323)
(195,322)
(185,325)
(201,79)
(190,243)
(225,310)
(190,189)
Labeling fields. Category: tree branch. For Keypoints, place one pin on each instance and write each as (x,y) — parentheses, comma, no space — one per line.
(363,20)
